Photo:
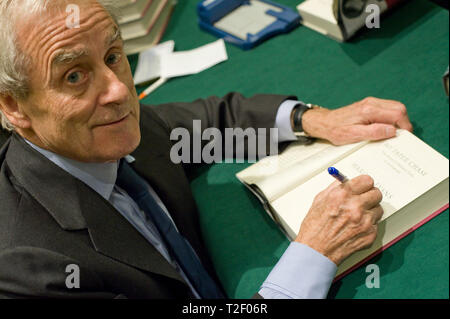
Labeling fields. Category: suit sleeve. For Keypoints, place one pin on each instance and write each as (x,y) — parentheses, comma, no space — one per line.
(32,272)
(231,111)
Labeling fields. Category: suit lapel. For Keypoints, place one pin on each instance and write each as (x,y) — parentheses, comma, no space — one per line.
(115,237)
(48,184)
(77,207)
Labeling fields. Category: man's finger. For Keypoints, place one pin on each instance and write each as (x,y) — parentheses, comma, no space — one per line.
(371,132)
(377,213)
(371,199)
(387,112)
(360,184)
(401,114)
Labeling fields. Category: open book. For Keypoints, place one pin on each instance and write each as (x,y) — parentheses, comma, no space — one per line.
(412,176)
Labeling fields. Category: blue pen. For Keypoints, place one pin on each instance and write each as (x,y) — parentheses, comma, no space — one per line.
(336,174)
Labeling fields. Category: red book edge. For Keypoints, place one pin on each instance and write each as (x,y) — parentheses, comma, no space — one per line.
(392,3)
(163,29)
(158,13)
(146,8)
(430,217)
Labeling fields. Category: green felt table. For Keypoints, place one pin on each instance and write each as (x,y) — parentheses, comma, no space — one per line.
(403,60)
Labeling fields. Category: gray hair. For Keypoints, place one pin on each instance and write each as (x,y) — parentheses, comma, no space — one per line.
(13,62)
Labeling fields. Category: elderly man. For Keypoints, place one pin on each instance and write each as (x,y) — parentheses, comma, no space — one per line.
(91,204)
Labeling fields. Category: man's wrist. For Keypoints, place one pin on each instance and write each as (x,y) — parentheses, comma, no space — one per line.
(316,123)
(298,115)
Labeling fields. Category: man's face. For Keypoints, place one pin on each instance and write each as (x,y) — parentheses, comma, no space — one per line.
(82,102)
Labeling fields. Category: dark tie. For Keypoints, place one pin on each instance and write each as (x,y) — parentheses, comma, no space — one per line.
(137,188)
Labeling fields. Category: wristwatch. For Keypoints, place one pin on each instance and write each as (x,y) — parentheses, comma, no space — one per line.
(297,115)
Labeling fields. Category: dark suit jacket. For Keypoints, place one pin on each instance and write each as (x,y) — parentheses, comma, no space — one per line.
(49,219)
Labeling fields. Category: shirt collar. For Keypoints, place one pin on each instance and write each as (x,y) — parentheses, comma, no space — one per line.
(101,177)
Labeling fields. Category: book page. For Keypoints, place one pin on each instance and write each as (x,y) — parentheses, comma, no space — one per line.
(278,175)
(271,165)
(403,168)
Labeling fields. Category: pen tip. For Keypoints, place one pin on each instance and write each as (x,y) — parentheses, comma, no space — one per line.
(332,170)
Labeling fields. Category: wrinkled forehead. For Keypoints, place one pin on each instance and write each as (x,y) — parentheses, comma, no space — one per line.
(58,20)
(60,27)
(26,10)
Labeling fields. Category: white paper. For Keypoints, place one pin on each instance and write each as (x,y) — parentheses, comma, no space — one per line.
(193,61)
(161,62)
(149,63)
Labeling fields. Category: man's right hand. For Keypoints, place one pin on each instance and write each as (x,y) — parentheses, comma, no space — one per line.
(343,219)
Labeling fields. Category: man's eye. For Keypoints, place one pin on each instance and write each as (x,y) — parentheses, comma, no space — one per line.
(113,58)
(75,77)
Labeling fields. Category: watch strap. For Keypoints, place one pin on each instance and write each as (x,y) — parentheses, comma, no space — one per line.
(298,111)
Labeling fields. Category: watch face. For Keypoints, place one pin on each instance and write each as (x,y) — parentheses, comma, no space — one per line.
(353,8)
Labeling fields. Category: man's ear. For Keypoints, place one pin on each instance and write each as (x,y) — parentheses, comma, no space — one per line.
(11,109)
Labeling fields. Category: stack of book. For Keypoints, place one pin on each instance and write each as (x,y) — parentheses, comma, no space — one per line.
(143,22)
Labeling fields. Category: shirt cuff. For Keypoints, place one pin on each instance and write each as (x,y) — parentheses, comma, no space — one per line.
(283,121)
(301,273)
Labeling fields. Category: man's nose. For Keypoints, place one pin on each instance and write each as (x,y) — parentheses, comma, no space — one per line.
(113,91)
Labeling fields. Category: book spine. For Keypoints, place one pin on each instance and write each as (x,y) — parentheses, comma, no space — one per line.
(164,27)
